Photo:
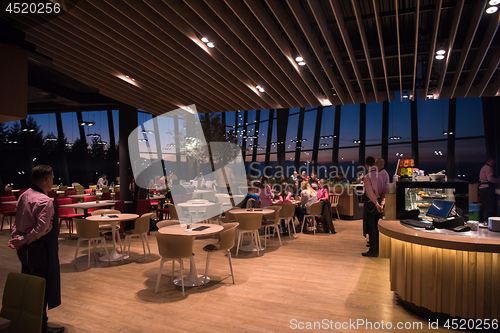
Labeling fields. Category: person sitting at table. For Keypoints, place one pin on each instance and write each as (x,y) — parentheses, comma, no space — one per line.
(175,190)
(265,193)
(199,180)
(102,182)
(314,181)
(286,194)
(323,191)
(308,196)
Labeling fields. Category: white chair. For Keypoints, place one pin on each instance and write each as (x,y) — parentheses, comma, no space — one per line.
(272,220)
(316,210)
(107,227)
(226,243)
(88,230)
(141,228)
(174,247)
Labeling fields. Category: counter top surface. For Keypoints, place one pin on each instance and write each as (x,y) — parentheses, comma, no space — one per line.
(482,240)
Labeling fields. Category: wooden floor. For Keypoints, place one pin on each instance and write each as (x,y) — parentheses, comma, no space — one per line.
(319,278)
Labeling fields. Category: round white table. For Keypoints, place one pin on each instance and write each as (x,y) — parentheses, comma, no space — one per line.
(252,247)
(182,230)
(113,256)
(195,207)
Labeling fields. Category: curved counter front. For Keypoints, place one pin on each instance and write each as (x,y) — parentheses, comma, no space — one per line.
(445,272)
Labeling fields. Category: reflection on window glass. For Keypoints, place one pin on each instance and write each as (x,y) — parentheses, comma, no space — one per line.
(249,141)
(373,124)
(470,156)
(230,118)
(274,139)
(327,127)
(116,125)
(349,125)
(432,118)
(70,126)
(469,119)
(399,120)
(309,127)
(375,151)
(251,116)
(396,152)
(432,156)
(324,162)
(262,141)
(264,114)
(348,162)
(291,132)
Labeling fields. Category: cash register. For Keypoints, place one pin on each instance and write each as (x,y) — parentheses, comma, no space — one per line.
(443,216)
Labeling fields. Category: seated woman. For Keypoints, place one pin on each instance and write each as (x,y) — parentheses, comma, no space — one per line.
(285,195)
(265,193)
(323,191)
(308,196)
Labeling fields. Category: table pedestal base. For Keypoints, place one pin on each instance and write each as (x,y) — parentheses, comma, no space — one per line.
(114,256)
(191,278)
(251,248)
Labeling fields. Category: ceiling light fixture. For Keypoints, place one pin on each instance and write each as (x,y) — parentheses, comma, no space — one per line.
(492,10)
(204,40)
(439,57)
(430,96)
(441,51)
(494,2)
(302,63)
(259,88)
(299,59)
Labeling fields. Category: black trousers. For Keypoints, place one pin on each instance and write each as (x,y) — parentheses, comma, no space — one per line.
(372,217)
(35,261)
(485,198)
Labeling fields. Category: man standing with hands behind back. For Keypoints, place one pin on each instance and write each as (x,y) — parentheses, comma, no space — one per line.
(35,232)
(374,205)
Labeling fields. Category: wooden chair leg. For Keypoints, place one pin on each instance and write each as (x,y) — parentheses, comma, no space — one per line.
(159,275)
(230,263)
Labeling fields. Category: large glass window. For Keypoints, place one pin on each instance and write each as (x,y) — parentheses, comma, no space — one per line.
(373,124)
(274,139)
(396,151)
(399,120)
(349,125)
(432,156)
(470,156)
(291,132)
(327,127)
(348,164)
(469,119)
(262,141)
(70,126)
(231,118)
(432,118)
(309,128)
(264,114)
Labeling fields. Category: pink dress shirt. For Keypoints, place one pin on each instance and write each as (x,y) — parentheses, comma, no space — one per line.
(323,194)
(34,213)
(384,180)
(373,187)
(486,175)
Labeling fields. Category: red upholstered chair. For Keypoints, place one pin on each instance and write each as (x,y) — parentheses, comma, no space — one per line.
(160,212)
(8,210)
(21,191)
(120,205)
(106,196)
(88,191)
(71,192)
(52,194)
(66,214)
(117,195)
(89,199)
(8,192)
(142,207)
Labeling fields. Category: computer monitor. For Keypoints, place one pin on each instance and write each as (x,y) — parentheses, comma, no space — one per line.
(440,209)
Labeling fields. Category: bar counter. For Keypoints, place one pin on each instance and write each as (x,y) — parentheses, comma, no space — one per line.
(456,274)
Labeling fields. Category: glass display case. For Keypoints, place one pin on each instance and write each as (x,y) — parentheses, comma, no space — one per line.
(421,198)
(419,195)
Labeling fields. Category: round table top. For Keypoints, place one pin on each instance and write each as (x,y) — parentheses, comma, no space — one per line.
(195,204)
(181,230)
(121,217)
(204,191)
(262,211)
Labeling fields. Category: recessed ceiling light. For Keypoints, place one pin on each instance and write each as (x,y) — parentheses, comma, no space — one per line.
(441,51)
(494,2)
(302,63)
(210,45)
(204,40)
(439,57)
(299,59)
(492,10)
(430,96)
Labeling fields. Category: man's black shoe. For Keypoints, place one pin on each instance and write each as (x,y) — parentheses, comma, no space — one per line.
(54,330)
(370,254)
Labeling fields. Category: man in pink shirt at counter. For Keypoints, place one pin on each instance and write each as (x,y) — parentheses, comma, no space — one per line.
(487,189)
(35,237)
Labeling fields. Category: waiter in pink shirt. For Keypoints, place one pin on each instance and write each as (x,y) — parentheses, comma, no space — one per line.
(487,189)
(374,204)
(34,236)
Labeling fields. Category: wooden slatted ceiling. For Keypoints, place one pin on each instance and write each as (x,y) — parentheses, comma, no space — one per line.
(355,51)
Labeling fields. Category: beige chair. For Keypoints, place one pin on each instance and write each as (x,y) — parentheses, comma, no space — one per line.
(272,220)
(88,230)
(23,303)
(287,213)
(105,189)
(214,213)
(107,227)
(334,202)
(166,223)
(316,210)
(226,243)
(249,223)
(173,212)
(229,217)
(174,247)
(141,229)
